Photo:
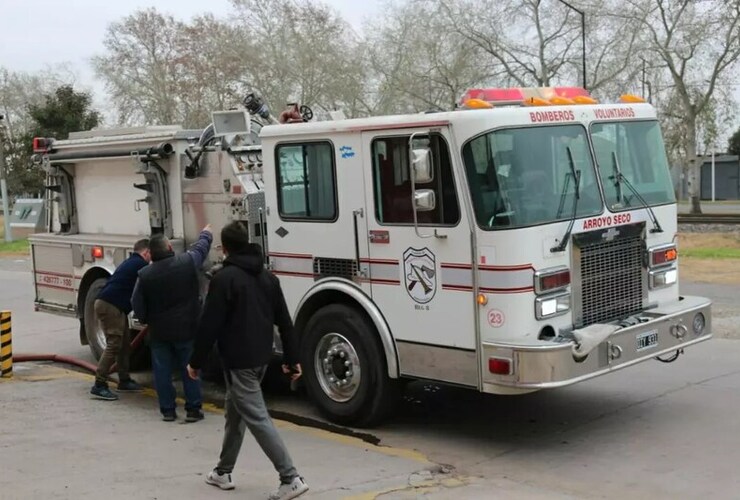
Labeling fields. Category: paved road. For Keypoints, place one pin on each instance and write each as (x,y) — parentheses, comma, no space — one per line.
(652,431)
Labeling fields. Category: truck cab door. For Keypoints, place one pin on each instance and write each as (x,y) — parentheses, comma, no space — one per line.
(420,272)
(316,217)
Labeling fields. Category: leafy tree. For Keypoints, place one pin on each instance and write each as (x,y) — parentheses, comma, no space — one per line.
(733,146)
(61,112)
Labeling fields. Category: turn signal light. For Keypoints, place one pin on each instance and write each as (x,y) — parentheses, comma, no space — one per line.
(482,299)
(561,100)
(663,255)
(478,104)
(537,101)
(582,99)
(97,252)
(499,366)
(630,98)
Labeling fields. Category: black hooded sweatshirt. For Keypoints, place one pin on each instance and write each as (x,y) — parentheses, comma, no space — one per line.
(244,303)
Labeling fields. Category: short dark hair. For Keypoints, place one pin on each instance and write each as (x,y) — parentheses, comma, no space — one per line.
(141,245)
(159,246)
(235,238)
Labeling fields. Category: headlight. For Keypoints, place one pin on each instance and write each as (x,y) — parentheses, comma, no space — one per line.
(662,277)
(551,305)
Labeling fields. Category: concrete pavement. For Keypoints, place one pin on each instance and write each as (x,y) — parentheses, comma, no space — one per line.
(56,442)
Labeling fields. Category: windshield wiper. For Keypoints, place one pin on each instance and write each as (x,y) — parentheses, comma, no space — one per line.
(576,174)
(618,178)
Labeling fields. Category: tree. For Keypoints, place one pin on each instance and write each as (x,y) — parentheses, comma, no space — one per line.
(537,43)
(412,67)
(19,93)
(142,69)
(698,44)
(301,51)
(62,112)
(733,146)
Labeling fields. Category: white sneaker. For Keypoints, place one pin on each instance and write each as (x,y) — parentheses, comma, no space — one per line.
(294,489)
(222,481)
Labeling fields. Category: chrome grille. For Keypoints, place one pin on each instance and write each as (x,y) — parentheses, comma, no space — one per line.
(612,277)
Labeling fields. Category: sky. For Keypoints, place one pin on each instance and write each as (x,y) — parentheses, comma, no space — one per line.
(35,34)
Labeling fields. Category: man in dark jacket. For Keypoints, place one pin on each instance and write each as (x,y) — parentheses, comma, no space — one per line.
(167,300)
(112,306)
(243,305)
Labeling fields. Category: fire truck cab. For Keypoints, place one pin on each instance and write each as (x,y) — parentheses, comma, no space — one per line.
(502,247)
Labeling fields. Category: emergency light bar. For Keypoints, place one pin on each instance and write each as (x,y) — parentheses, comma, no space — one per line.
(536,95)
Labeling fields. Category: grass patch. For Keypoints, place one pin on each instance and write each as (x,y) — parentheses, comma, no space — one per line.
(711,253)
(14,247)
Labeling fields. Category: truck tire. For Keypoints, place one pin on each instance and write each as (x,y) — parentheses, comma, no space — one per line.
(93,331)
(344,367)
(138,360)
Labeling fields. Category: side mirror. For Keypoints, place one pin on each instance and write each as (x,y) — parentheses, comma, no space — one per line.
(421,165)
(425,200)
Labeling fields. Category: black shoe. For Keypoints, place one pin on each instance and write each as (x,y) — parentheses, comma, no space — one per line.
(129,386)
(169,416)
(102,392)
(194,415)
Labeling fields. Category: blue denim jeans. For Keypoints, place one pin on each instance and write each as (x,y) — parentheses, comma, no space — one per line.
(166,357)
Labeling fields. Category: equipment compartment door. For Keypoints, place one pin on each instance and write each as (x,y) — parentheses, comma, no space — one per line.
(54,276)
(421,276)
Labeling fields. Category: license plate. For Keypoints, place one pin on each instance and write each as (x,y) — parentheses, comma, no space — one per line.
(647,340)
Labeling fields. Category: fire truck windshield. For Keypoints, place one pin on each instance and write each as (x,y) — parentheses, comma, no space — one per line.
(525,176)
(636,150)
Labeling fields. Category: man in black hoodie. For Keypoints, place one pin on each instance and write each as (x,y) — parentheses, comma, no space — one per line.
(243,305)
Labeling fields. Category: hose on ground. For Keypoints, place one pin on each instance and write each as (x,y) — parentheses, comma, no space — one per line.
(69,360)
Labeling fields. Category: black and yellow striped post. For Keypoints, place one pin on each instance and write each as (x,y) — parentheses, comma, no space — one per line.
(6,347)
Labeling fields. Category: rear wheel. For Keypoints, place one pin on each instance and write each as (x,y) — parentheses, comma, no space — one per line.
(344,367)
(139,358)
(93,330)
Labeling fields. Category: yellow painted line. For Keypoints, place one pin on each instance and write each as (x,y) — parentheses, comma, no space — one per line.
(391,451)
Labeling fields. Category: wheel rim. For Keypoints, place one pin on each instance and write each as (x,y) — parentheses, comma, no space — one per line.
(99,334)
(337,367)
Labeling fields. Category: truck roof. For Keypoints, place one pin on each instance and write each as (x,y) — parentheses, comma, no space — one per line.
(514,116)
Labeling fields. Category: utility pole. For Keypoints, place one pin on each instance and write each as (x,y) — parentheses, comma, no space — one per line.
(583,37)
(4,184)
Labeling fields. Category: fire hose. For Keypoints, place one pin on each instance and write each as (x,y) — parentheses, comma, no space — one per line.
(69,360)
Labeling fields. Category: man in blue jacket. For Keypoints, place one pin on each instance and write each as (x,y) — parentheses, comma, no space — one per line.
(112,306)
(167,299)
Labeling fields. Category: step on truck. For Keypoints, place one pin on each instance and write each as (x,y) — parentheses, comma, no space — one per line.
(524,241)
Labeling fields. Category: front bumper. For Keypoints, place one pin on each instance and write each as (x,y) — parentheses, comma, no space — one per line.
(551,365)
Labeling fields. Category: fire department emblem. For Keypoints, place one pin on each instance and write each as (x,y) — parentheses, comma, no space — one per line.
(420,274)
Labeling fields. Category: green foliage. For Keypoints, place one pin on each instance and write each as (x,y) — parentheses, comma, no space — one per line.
(63,112)
(60,113)
(733,146)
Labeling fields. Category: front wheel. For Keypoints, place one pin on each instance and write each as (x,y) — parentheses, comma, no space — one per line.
(344,366)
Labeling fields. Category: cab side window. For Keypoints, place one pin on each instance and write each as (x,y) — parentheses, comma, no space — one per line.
(392,182)
(306,181)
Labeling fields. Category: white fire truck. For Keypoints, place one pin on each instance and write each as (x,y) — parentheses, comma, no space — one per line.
(525,241)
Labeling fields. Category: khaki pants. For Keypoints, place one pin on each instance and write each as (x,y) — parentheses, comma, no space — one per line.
(118,342)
